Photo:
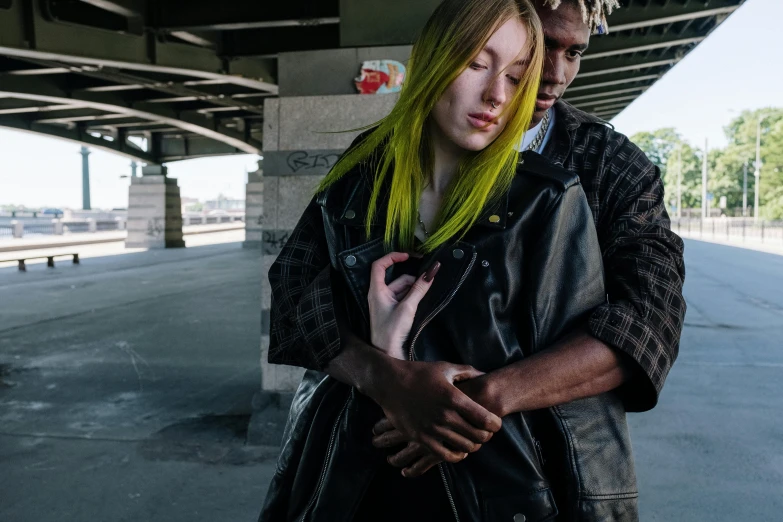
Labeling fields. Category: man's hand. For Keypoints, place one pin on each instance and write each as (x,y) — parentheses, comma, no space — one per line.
(421,401)
(416,458)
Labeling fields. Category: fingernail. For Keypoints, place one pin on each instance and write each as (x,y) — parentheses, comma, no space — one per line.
(429,274)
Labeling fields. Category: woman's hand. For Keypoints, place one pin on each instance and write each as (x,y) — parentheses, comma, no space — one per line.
(393,306)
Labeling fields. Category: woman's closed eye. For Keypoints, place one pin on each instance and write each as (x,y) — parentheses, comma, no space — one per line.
(477,66)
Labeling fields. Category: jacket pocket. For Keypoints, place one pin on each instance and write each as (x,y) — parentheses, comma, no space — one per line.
(536,506)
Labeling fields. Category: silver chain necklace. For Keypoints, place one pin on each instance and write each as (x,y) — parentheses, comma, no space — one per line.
(534,145)
(426,234)
(541,134)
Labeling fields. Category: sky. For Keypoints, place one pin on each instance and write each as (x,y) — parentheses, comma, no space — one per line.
(737,67)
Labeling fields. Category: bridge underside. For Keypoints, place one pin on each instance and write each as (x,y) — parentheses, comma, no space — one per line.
(167,80)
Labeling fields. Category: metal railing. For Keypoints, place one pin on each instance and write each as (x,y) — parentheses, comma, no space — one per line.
(39,229)
(75,227)
(102,226)
(731,229)
(56,227)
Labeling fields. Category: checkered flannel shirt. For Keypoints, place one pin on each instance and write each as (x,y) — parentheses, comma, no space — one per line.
(643,263)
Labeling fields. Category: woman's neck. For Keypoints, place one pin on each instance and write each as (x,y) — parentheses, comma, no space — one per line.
(446,159)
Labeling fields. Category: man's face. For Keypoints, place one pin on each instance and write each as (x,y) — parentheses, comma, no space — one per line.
(566,37)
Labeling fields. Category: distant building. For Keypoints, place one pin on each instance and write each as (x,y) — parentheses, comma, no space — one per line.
(224,203)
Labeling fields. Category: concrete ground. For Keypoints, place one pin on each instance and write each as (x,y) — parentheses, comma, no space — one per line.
(125,388)
(713,447)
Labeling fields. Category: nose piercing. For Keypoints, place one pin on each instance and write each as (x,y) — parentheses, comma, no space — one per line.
(494,105)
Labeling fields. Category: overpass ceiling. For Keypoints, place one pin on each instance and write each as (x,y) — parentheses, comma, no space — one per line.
(164,80)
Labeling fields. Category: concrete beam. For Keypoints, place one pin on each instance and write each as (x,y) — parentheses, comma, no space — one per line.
(618,47)
(365,23)
(25,32)
(234,15)
(78,135)
(588,106)
(625,68)
(606,94)
(630,79)
(39,89)
(127,8)
(627,43)
(654,13)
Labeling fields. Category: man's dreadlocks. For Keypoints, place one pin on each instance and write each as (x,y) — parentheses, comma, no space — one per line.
(594,12)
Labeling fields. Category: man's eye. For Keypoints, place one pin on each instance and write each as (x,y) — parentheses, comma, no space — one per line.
(574,54)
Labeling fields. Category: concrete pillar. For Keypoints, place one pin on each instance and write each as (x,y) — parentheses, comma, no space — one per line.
(122,224)
(154,211)
(254,208)
(18,228)
(298,152)
(296,158)
(92,225)
(58,227)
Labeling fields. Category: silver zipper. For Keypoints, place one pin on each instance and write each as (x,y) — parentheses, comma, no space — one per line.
(410,357)
(539,451)
(441,306)
(448,492)
(326,463)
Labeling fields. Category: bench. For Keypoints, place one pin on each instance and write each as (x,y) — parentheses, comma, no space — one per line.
(49,260)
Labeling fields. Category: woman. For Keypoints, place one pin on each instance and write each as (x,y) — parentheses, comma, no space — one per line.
(510,263)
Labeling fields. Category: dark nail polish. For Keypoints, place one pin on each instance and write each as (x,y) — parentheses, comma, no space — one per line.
(431,272)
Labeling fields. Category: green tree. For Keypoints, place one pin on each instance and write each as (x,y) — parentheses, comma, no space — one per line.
(666,149)
(741,135)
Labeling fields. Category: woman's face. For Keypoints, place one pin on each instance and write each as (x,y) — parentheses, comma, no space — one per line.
(462,114)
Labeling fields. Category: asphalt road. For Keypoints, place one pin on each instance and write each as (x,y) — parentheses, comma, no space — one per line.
(712,450)
(126,385)
(125,388)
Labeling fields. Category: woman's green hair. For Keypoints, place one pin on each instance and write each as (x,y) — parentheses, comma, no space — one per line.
(455,33)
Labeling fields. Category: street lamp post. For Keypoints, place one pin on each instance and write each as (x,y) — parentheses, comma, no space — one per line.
(758,170)
(745,189)
(679,181)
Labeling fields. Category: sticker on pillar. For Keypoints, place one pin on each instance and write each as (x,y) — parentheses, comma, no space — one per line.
(380,77)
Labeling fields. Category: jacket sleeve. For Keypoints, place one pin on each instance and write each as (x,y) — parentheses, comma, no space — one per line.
(643,258)
(303,325)
(566,280)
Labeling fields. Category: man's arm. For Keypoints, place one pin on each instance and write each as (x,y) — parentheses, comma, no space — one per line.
(576,367)
(645,272)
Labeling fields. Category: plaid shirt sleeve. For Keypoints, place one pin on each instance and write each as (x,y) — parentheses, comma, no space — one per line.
(644,267)
(303,325)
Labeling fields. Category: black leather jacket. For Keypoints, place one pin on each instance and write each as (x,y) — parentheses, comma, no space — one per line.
(527,273)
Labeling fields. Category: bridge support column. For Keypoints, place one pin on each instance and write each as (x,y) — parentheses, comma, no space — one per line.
(154,211)
(298,153)
(254,208)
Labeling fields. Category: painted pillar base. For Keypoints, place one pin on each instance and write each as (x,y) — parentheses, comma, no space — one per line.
(154,211)
(254,209)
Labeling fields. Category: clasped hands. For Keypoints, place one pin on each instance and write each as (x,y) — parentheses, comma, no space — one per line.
(439,411)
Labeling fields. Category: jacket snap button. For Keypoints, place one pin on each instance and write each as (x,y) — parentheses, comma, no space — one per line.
(519,517)
(494,218)
(350,214)
(485,263)
(350,260)
(458,253)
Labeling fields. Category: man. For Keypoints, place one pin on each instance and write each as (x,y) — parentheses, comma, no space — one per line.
(630,342)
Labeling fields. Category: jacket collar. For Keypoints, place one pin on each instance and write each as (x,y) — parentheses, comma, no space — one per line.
(354,211)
